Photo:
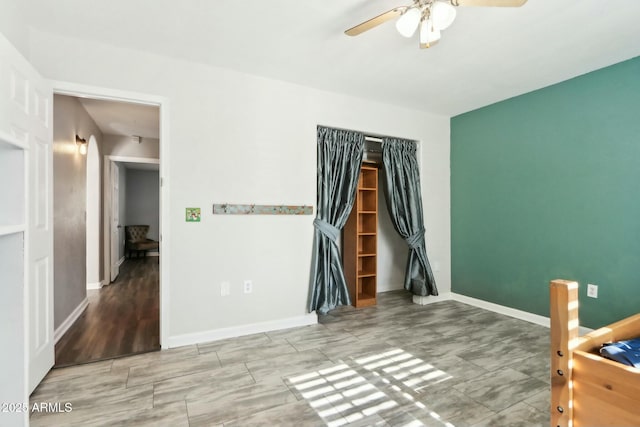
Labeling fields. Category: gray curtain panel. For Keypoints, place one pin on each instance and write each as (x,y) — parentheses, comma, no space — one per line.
(404,202)
(339,159)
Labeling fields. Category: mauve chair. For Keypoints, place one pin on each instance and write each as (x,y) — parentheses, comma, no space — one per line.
(136,240)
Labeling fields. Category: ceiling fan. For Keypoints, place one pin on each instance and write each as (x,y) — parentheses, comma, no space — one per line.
(432,16)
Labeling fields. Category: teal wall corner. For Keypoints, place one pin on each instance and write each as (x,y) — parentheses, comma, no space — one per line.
(547,186)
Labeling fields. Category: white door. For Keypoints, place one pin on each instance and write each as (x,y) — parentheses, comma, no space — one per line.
(40,232)
(27,116)
(115,220)
(93,214)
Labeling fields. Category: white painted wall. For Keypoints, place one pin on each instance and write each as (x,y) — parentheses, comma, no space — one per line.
(392,249)
(143,200)
(238,138)
(436,191)
(12,24)
(13,361)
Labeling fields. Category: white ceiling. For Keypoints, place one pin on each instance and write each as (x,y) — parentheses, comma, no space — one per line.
(487,55)
(124,118)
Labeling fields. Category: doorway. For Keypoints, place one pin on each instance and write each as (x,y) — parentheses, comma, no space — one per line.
(132,197)
(117,337)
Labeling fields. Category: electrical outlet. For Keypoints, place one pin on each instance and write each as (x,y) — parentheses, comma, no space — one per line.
(248,286)
(592,291)
(225,289)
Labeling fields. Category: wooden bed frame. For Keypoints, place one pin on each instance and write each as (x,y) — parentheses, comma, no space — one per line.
(587,389)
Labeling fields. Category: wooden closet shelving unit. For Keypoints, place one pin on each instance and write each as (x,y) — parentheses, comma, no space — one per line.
(360,240)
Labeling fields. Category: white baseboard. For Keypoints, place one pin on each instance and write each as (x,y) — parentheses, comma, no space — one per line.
(69,321)
(120,261)
(155,253)
(512,312)
(507,311)
(237,331)
(93,286)
(430,299)
(312,319)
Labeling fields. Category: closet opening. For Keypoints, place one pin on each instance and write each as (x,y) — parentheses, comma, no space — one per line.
(349,206)
(373,253)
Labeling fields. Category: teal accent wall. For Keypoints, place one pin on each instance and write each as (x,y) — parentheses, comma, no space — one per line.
(547,186)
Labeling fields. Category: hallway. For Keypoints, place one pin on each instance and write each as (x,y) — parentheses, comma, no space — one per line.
(122,318)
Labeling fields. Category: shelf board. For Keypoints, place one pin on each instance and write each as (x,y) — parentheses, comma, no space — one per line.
(11,229)
(9,141)
(361,274)
(365,300)
(360,241)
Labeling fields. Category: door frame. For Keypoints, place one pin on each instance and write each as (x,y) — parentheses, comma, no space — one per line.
(110,208)
(106,94)
(109,162)
(93,210)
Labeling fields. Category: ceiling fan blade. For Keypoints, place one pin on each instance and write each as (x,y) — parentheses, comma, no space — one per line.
(374,22)
(489,3)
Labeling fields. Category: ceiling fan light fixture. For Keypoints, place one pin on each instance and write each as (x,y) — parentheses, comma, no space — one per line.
(428,32)
(409,21)
(442,14)
(432,16)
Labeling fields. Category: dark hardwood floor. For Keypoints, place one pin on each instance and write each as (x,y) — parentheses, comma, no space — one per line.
(122,318)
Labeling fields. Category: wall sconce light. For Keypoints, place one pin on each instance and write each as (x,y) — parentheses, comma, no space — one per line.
(82,145)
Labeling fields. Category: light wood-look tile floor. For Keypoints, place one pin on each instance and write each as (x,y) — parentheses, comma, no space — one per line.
(395,364)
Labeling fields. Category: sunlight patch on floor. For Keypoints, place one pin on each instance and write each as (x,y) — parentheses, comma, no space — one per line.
(341,394)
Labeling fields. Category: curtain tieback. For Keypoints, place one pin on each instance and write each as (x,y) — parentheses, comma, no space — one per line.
(327,229)
(415,240)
